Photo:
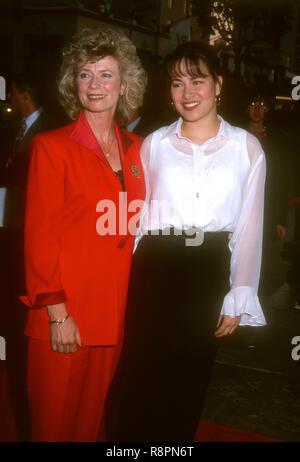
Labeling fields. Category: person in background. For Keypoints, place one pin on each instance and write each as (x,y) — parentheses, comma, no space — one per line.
(293,275)
(24,96)
(133,124)
(277,190)
(196,266)
(77,270)
(142,121)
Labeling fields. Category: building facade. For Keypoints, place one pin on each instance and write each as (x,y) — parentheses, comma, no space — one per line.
(41,28)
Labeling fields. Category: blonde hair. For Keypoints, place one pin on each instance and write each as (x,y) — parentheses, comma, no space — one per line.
(92,45)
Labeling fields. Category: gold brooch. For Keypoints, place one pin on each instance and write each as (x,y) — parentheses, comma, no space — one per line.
(135,170)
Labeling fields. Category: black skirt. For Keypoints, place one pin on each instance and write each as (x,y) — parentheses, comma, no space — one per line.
(174,302)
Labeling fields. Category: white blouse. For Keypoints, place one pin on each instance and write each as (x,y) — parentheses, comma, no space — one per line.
(218,186)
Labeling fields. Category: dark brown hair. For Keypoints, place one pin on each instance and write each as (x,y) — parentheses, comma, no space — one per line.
(192,54)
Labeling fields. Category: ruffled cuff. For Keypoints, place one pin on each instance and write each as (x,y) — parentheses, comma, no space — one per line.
(243,301)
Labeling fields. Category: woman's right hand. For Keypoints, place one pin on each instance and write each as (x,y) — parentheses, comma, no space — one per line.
(64,337)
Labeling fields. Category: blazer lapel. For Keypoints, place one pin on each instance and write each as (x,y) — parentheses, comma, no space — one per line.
(124,141)
(129,152)
(132,168)
(83,134)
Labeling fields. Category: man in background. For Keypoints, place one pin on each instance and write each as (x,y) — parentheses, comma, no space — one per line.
(25,98)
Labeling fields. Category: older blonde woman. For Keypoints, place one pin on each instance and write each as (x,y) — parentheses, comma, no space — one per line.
(77,268)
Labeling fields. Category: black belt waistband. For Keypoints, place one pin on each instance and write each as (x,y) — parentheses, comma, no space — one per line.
(192,236)
(186,233)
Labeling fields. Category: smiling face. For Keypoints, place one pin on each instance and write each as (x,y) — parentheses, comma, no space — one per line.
(99,85)
(194,94)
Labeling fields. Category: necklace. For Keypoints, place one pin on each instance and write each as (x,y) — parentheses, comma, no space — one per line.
(106,151)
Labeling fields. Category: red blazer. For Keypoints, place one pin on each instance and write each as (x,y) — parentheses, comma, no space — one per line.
(66,260)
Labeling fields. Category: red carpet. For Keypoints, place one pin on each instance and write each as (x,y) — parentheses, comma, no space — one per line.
(207,431)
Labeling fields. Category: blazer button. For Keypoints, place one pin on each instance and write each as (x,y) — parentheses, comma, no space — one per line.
(121,243)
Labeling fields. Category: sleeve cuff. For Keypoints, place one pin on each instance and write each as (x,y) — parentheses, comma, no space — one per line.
(41,300)
(243,301)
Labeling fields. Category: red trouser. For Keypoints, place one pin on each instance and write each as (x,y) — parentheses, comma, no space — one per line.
(67,392)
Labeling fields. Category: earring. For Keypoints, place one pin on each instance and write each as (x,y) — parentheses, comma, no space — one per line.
(218,100)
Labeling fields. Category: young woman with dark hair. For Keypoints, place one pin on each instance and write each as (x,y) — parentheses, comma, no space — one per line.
(196,266)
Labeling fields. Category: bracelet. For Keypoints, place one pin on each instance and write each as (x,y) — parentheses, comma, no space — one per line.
(57,321)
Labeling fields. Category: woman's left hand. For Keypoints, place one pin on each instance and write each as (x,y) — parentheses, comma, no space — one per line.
(226,325)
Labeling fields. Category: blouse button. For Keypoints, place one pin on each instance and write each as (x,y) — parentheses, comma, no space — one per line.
(121,243)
